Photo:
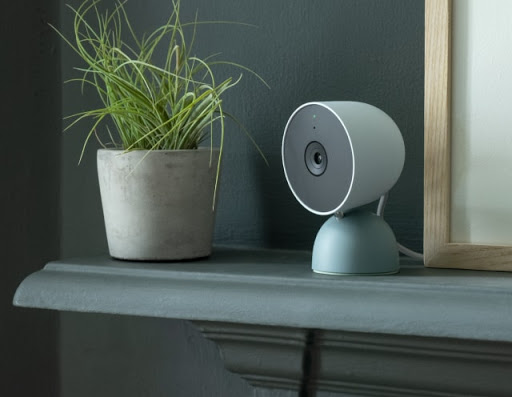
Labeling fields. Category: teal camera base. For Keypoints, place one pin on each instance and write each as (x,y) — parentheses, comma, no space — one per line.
(359,243)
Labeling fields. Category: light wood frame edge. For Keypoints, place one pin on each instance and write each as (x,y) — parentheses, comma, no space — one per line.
(438,250)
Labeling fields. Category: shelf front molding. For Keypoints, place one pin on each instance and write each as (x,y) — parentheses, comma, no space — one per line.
(277,288)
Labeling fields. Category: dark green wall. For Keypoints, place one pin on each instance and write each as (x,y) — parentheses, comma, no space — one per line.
(362,50)
(29,199)
(370,51)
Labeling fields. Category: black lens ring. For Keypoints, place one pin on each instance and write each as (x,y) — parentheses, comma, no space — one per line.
(313,152)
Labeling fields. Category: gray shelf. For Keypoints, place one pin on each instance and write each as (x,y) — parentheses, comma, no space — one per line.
(422,332)
(277,288)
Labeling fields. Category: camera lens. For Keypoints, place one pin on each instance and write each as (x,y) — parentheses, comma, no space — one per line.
(315,158)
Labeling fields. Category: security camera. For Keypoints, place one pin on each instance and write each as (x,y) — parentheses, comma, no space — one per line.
(337,157)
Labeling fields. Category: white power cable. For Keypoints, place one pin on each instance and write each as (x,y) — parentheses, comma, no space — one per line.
(410,253)
(382,204)
(404,250)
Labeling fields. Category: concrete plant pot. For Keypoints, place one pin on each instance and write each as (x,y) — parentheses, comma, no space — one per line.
(159,207)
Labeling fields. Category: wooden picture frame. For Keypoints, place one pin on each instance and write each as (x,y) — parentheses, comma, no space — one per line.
(439,251)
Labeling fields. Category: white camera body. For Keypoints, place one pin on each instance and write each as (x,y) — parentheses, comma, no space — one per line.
(359,156)
(338,156)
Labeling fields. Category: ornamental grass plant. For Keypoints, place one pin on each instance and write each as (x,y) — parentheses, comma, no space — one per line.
(174,105)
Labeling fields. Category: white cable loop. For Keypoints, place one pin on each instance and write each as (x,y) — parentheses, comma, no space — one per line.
(410,253)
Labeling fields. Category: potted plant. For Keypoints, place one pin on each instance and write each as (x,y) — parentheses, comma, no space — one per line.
(158,186)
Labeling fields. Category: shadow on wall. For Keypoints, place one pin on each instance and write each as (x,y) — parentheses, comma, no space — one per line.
(29,168)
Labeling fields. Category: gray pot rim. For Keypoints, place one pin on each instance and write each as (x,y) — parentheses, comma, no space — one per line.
(199,149)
